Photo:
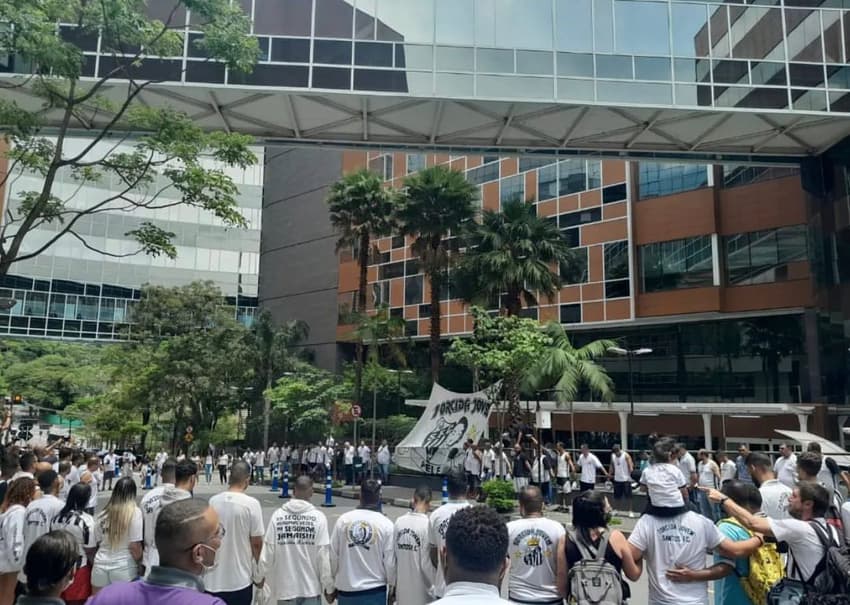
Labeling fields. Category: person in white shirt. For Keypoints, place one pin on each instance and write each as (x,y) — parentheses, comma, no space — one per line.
(241,518)
(74,520)
(829,472)
(223,461)
(487,457)
(805,532)
(708,475)
(260,466)
(150,505)
(92,476)
(118,534)
(686,463)
(273,456)
(19,495)
(501,463)
(348,452)
(562,473)
(774,495)
(365,453)
(532,550)
(362,555)
(129,461)
(26,461)
(185,476)
(383,459)
(412,558)
(589,464)
(64,473)
(109,462)
(439,523)
(659,541)
(475,558)
(727,467)
(785,466)
(40,512)
(664,483)
(295,560)
(621,469)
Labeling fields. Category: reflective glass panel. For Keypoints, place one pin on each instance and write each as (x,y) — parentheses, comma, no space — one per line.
(603,25)
(657,179)
(642,28)
(406,21)
(574,25)
(334,19)
(283,17)
(690,30)
(454,21)
(495,60)
(685,263)
(575,64)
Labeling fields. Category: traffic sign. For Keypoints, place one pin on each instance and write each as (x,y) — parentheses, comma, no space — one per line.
(356,410)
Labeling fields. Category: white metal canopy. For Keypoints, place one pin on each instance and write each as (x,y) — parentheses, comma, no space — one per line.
(828,448)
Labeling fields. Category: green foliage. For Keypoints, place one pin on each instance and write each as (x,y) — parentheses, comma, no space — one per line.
(500,495)
(384,335)
(564,368)
(305,398)
(514,252)
(165,152)
(436,203)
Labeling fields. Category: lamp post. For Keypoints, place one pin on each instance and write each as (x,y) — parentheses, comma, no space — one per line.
(629,354)
(375,416)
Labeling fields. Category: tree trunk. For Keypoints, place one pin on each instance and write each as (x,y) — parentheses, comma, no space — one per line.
(363,262)
(513,304)
(146,418)
(434,344)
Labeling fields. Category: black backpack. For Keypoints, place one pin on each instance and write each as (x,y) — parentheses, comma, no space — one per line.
(831,577)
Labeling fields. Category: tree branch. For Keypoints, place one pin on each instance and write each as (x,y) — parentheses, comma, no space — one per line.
(88,246)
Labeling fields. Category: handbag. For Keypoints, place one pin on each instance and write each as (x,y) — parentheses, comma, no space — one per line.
(787,592)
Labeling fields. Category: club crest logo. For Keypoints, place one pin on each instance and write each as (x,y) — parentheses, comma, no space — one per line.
(360,534)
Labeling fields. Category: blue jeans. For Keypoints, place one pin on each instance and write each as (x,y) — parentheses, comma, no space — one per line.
(706,507)
(375,596)
(385,472)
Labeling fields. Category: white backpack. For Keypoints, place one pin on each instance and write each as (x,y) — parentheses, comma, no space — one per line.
(593,580)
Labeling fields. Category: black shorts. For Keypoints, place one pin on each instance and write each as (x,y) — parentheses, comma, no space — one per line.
(561,481)
(622,489)
(107,475)
(587,486)
(472,480)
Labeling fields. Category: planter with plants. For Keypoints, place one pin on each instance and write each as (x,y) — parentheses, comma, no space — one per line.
(500,495)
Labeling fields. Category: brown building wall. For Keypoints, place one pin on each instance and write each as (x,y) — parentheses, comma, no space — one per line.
(766,205)
(674,217)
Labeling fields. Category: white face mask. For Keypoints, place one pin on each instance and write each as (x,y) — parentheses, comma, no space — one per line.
(214,564)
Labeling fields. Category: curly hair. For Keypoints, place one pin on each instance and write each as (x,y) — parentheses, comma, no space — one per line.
(21,491)
(477,539)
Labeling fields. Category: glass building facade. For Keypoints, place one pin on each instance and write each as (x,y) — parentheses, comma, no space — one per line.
(71,291)
(677,53)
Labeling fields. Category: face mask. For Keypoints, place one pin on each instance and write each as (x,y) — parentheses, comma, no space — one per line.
(214,564)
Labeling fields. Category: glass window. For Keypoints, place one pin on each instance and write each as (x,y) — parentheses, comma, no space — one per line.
(527,163)
(603,26)
(684,263)
(413,290)
(575,64)
(642,27)
(512,189)
(455,23)
(391,270)
(290,50)
(570,314)
(652,68)
(690,30)
(406,21)
(572,176)
(496,60)
(736,175)
(582,217)
(763,256)
(616,260)
(533,62)
(380,293)
(383,166)
(332,51)
(415,162)
(614,193)
(526,24)
(547,182)
(451,58)
(614,66)
(288,17)
(483,174)
(574,269)
(657,179)
(373,54)
(574,25)
(334,19)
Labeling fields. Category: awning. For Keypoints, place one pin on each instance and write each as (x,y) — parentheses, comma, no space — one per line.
(828,448)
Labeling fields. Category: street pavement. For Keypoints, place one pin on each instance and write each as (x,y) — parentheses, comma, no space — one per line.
(270,501)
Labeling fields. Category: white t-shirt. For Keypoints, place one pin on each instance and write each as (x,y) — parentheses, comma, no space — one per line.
(364,451)
(39,515)
(532,548)
(384,454)
(804,546)
(563,466)
(688,465)
(437,538)
(116,556)
(109,462)
(825,476)
(12,539)
(663,483)
(487,458)
(296,552)
(362,555)
(151,504)
(413,559)
(727,470)
(222,460)
(786,469)
(706,474)
(621,467)
(539,472)
(588,464)
(260,459)
(96,479)
(774,499)
(81,526)
(680,541)
(242,518)
(348,455)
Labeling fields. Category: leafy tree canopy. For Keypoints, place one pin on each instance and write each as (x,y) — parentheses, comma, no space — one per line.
(150,158)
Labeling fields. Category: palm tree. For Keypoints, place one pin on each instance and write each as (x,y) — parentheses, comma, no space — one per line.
(385,335)
(436,203)
(563,369)
(513,252)
(361,208)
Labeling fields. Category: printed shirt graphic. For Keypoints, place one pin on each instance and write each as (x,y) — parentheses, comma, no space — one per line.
(437,538)
(40,514)
(413,562)
(362,551)
(532,545)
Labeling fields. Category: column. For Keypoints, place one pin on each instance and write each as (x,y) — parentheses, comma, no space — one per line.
(803,419)
(706,427)
(624,430)
(841,421)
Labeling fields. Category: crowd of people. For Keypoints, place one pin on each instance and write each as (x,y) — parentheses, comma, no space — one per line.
(770,524)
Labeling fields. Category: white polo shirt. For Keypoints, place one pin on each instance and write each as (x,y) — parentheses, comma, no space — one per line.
(362,555)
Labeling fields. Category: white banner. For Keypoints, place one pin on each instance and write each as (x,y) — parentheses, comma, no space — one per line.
(435,445)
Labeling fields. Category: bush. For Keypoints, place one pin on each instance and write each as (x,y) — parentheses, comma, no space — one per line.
(500,495)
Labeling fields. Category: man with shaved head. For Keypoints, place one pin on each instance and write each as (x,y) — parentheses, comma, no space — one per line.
(188,536)
(242,519)
(295,561)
